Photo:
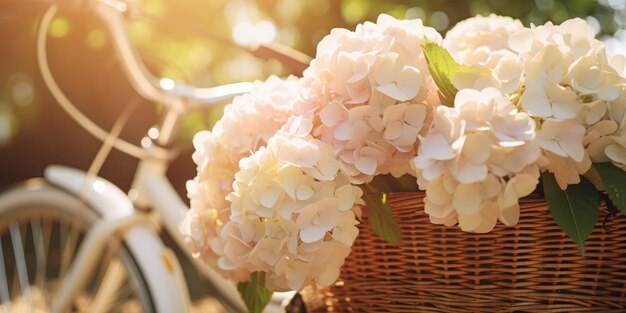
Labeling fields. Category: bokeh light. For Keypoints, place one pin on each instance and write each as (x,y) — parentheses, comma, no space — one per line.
(439,21)
(243,33)
(22,89)
(354,11)
(264,32)
(96,39)
(59,27)
(415,13)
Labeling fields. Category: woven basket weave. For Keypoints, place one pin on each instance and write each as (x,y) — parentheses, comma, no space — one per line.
(532,267)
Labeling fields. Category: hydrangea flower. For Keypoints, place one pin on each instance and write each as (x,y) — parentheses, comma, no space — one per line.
(569,85)
(606,140)
(248,122)
(252,118)
(293,214)
(217,165)
(477,160)
(483,42)
(275,190)
(378,94)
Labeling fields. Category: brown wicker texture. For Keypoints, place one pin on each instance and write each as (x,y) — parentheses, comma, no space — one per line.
(532,267)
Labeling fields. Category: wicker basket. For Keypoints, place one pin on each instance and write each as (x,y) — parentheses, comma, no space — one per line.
(532,267)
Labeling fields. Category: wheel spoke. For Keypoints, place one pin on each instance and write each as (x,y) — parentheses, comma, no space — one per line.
(105,267)
(33,269)
(64,253)
(122,297)
(108,289)
(72,240)
(47,236)
(4,287)
(20,263)
(40,256)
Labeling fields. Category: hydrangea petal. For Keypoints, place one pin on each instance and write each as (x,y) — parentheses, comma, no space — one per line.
(467,199)
(367,165)
(436,146)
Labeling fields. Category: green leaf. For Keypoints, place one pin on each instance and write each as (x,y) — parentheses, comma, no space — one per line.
(614,180)
(381,219)
(254,293)
(575,209)
(442,67)
(389,183)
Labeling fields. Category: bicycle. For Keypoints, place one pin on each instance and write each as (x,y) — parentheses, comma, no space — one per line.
(73,222)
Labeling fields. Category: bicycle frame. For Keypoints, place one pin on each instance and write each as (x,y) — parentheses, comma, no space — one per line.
(168,210)
(150,187)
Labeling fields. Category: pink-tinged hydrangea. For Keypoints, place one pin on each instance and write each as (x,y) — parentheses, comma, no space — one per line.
(569,85)
(248,122)
(378,94)
(252,118)
(217,165)
(293,213)
(477,160)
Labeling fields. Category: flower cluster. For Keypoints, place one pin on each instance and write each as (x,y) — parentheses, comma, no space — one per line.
(569,85)
(483,42)
(276,186)
(293,214)
(248,123)
(378,94)
(477,160)
(253,118)
(217,165)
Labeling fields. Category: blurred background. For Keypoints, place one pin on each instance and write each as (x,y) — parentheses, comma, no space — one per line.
(35,132)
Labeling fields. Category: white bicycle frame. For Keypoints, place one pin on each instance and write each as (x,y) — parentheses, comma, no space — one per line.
(150,187)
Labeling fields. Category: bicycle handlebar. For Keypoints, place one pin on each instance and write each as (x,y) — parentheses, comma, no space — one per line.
(71,110)
(181,96)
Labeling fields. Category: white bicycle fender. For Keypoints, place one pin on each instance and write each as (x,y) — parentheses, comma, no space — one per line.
(159,266)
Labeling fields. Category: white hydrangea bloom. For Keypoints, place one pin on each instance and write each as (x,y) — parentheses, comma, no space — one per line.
(606,140)
(570,85)
(483,42)
(477,160)
(293,212)
(378,92)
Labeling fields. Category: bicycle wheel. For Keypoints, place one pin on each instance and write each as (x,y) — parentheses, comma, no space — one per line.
(41,228)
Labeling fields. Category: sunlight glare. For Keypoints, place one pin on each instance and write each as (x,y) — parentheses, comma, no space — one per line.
(265,31)
(243,33)
(167,83)
(153,133)
(99,186)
